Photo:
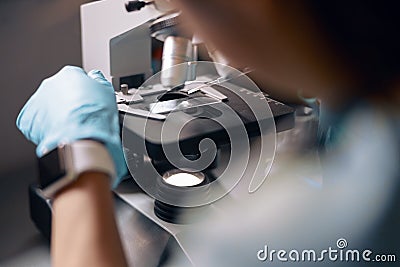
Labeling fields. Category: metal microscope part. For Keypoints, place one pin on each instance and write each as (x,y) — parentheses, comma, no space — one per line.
(140,112)
(181,104)
(124,89)
(177,53)
(191,88)
(128,98)
(211,92)
(133,96)
(217,81)
(136,5)
(165,26)
(148,90)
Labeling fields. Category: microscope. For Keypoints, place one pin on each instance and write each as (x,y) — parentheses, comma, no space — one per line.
(194,133)
(183,94)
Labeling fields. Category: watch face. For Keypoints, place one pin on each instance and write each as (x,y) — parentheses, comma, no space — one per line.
(51,168)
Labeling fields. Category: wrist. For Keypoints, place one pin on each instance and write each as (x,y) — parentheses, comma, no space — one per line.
(88,186)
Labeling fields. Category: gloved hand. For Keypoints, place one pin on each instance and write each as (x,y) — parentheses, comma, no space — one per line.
(73,105)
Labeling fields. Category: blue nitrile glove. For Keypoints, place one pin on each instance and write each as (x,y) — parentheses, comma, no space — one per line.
(73,105)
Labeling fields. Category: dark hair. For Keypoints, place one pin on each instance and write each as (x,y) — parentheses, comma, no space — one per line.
(367,32)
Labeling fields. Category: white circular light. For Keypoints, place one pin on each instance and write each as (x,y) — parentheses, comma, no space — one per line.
(183,179)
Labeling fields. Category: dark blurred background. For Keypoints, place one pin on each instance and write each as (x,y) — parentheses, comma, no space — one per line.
(38,37)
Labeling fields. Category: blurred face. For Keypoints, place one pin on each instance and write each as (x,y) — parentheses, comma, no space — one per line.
(279,39)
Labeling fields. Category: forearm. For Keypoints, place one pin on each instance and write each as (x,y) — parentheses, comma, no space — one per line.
(84,229)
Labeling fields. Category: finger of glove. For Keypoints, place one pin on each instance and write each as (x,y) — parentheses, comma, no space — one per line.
(99,77)
(33,116)
(68,72)
(24,123)
(26,118)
